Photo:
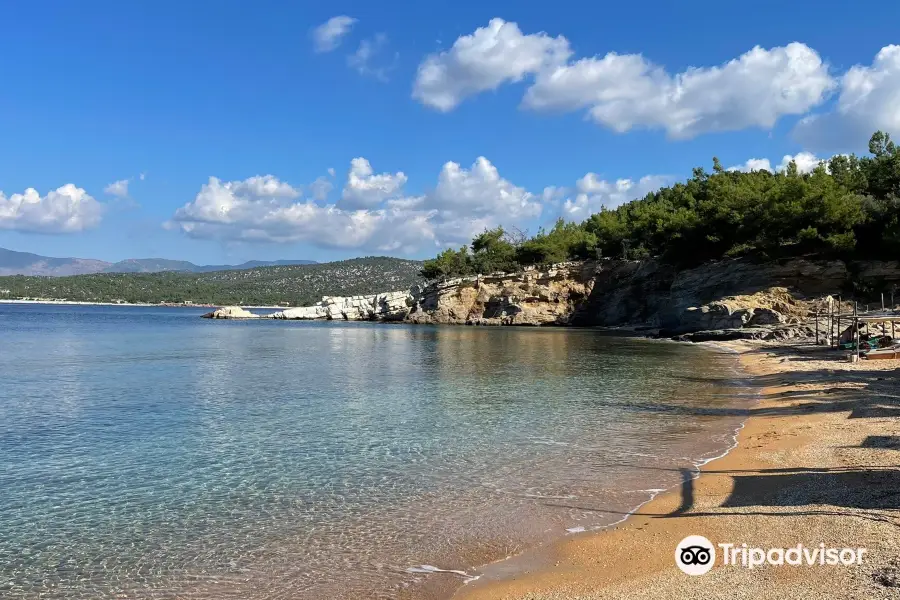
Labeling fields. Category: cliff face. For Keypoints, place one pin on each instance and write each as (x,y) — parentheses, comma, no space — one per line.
(531,297)
(661,296)
(717,295)
(722,295)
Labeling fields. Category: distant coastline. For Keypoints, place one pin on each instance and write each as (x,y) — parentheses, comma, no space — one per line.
(159,304)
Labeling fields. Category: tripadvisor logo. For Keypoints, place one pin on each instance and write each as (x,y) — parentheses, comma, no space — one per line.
(696,555)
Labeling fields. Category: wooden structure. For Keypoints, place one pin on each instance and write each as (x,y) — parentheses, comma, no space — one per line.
(857,322)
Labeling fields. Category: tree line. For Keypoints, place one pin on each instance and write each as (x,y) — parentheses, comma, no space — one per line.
(847,207)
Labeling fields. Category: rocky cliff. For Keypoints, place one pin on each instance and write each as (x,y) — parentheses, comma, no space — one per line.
(728,294)
(661,296)
(532,297)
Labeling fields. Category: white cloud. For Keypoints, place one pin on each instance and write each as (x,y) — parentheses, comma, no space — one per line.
(753,164)
(362,61)
(627,91)
(806,163)
(119,188)
(263,209)
(328,35)
(250,211)
(68,209)
(484,60)
(481,190)
(594,193)
(868,101)
(467,201)
(365,189)
(265,186)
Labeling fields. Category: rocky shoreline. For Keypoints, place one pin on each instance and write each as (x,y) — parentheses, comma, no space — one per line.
(721,300)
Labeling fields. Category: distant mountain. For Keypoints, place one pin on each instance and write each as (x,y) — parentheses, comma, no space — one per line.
(158,265)
(149,265)
(26,263)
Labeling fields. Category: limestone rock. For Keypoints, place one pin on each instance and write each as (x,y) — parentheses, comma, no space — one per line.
(531,297)
(300,312)
(230,312)
(390,306)
(766,316)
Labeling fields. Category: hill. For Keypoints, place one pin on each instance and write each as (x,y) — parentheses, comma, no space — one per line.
(12,263)
(26,263)
(293,284)
(847,208)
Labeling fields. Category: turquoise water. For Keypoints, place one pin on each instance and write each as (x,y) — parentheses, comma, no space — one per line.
(147,453)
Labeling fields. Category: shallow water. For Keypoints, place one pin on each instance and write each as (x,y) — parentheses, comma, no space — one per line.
(147,453)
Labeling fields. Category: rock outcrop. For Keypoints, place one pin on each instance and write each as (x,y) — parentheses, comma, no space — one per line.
(661,296)
(738,297)
(774,306)
(532,297)
(230,312)
(390,306)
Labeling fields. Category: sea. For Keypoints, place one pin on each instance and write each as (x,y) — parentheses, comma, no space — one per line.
(148,453)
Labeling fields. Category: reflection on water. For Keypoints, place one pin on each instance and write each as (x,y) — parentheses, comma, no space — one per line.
(149,453)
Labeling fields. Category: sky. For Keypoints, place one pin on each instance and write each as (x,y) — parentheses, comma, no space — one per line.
(223,131)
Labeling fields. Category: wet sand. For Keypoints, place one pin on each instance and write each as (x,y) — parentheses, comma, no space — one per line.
(818,461)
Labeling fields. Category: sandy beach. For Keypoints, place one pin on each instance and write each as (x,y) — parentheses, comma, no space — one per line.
(816,462)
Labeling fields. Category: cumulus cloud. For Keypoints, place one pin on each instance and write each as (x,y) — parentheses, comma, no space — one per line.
(365,189)
(67,209)
(119,188)
(328,36)
(594,194)
(806,163)
(481,190)
(626,91)
(265,209)
(265,186)
(465,202)
(489,57)
(753,164)
(623,92)
(868,101)
(262,209)
(373,211)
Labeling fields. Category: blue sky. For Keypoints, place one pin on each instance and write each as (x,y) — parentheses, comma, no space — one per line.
(166,95)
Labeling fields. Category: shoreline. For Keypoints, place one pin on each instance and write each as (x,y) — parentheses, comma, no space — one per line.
(510,566)
(771,489)
(142,304)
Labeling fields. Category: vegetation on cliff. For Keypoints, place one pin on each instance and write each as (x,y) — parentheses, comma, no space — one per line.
(296,284)
(847,207)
